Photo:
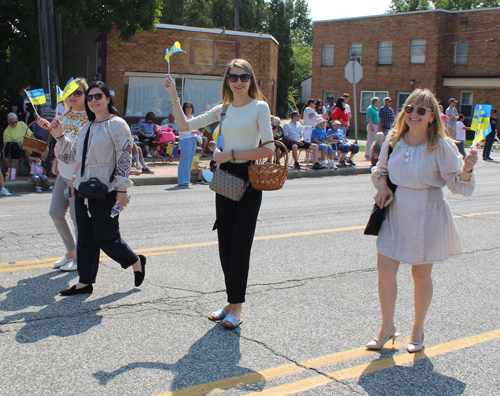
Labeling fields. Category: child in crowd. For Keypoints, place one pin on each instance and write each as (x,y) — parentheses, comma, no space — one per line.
(37,173)
(196,168)
(212,146)
(461,128)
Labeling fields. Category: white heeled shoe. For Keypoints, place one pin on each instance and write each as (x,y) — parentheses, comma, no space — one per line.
(378,345)
(62,262)
(413,347)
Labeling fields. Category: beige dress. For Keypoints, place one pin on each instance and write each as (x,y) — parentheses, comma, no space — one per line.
(419,227)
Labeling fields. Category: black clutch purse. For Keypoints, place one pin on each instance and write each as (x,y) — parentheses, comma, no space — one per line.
(377,215)
(92,189)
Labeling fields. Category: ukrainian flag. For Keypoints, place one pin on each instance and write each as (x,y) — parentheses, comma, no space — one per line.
(36,96)
(60,94)
(174,49)
(71,86)
(481,124)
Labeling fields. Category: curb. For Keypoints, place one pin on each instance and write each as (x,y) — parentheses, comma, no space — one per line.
(26,186)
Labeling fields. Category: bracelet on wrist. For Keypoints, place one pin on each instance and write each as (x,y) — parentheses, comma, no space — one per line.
(468,172)
(177,101)
(59,137)
(74,176)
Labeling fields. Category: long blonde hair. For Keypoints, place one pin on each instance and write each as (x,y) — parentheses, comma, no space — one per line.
(81,81)
(379,139)
(253,91)
(435,130)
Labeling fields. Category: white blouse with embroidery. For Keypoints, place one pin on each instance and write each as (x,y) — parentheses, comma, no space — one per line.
(71,122)
(419,227)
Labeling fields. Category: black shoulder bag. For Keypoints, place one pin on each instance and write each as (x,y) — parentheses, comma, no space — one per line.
(93,188)
(377,215)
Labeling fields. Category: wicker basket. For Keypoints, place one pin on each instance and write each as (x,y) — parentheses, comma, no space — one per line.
(32,144)
(269,177)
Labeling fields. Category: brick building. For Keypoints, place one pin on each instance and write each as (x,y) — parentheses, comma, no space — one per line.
(453,53)
(135,69)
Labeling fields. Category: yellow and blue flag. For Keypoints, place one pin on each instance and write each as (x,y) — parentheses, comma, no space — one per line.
(174,49)
(60,94)
(71,86)
(481,124)
(36,96)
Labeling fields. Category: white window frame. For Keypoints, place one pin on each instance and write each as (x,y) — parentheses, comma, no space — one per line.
(416,58)
(380,94)
(461,59)
(462,103)
(387,47)
(327,60)
(352,50)
(399,102)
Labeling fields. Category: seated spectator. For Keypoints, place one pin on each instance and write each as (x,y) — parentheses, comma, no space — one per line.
(196,168)
(294,139)
(170,120)
(3,190)
(146,129)
(376,147)
(13,138)
(277,135)
(340,143)
(37,172)
(320,109)
(139,159)
(341,114)
(318,136)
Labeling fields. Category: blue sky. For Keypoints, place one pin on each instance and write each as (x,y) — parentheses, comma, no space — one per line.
(336,9)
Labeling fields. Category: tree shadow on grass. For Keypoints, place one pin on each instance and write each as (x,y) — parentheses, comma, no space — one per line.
(213,357)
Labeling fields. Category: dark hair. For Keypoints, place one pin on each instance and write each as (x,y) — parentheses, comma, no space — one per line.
(345,95)
(460,116)
(294,113)
(25,85)
(184,107)
(307,105)
(495,110)
(150,116)
(340,103)
(318,103)
(105,90)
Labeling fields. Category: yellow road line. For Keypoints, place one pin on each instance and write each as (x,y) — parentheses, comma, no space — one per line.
(262,238)
(17,267)
(377,365)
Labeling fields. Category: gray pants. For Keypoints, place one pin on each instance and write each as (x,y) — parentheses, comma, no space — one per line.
(58,208)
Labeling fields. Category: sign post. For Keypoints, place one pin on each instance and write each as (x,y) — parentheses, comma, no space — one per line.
(354,73)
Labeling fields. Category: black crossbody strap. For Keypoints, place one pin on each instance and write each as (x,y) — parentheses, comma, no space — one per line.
(84,156)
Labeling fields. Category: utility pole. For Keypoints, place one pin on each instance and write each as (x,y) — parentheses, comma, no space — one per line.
(236,14)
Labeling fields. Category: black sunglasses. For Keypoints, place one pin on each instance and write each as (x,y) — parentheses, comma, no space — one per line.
(77,93)
(420,110)
(243,77)
(189,106)
(97,96)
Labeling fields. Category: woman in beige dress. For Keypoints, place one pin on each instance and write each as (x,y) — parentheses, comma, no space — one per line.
(419,227)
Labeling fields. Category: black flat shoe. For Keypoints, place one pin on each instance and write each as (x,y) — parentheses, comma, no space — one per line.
(139,276)
(73,290)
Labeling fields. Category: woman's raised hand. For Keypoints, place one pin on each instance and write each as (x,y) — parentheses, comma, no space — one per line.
(169,84)
(56,127)
(43,123)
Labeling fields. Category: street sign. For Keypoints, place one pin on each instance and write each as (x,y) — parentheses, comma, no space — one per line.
(353,72)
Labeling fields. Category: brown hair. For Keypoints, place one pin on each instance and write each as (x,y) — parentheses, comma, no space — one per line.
(435,130)
(81,81)
(253,91)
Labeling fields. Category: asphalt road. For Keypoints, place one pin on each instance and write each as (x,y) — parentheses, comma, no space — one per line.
(312,301)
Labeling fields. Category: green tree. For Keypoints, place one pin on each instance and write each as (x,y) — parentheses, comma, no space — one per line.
(456,5)
(223,13)
(198,13)
(172,12)
(408,5)
(301,23)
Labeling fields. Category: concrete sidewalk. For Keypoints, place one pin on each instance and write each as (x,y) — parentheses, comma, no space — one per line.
(166,173)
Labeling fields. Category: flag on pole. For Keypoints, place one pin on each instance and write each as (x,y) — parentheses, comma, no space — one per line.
(36,97)
(169,52)
(481,124)
(60,94)
(71,86)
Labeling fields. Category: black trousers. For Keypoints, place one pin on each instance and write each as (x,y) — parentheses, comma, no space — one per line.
(96,232)
(488,144)
(235,226)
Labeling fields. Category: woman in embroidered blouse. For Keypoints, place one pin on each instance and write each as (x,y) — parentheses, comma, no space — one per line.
(419,227)
(246,122)
(74,118)
(108,158)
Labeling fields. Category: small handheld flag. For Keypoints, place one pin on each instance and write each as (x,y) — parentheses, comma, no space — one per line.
(71,86)
(481,124)
(36,97)
(60,94)
(169,52)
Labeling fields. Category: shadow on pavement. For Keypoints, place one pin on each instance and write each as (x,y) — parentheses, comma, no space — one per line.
(419,379)
(64,318)
(213,357)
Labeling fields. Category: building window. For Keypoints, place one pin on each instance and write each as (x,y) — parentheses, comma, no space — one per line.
(366,99)
(355,51)
(466,103)
(461,53)
(327,55)
(385,53)
(401,100)
(417,51)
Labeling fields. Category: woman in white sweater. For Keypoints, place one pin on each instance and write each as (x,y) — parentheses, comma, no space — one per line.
(247,121)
